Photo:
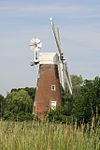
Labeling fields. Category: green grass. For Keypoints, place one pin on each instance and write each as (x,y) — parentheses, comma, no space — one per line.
(47,136)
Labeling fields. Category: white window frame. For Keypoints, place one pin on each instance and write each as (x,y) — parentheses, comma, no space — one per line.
(53,87)
(53,104)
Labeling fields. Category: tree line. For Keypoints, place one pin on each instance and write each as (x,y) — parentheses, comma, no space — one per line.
(18,104)
(82,105)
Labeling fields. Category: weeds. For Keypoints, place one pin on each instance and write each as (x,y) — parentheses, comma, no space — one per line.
(47,136)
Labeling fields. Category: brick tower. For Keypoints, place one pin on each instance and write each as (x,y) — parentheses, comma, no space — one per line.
(48,85)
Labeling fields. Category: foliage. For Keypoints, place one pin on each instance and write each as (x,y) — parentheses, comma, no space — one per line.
(82,106)
(2,103)
(64,113)
(60,114)
(18,106)
(30,90)
(87,104)
(47,136)
(77,82)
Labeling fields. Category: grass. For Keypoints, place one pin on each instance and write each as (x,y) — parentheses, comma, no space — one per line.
(47,136)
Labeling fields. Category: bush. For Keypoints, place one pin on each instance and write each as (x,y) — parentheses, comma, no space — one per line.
(60,114)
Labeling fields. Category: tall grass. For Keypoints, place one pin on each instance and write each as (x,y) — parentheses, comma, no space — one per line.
(47,136)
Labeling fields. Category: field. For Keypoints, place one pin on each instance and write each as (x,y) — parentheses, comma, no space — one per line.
(47,136)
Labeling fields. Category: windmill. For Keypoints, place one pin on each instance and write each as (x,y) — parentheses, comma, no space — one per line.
(53,72)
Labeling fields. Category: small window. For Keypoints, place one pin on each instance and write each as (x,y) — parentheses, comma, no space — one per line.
(53,104)
(53,87)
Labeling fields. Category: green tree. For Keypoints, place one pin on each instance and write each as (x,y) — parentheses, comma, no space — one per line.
(77,82)
(67,98)
(88,102)
(64,112)
(2,103)
(18,106)
(60,114)
(30,90)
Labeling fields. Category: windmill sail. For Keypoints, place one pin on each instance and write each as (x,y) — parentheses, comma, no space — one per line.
(56,38)
(62,66)
(67,78)
(61,73)
(58,32)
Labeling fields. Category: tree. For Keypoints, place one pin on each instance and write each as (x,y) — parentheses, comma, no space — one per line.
(64,112)
(60,114)
(69,99)
(2,102)
(30,90)
(88,102)
(77,82)
(18,103)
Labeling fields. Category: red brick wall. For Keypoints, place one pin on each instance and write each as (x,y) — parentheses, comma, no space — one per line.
(48,75)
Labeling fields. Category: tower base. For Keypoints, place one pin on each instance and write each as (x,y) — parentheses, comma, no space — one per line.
(48,93)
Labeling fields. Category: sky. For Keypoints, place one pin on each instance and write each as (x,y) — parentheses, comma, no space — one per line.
(79,23)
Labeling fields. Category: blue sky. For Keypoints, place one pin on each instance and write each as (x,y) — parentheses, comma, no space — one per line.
(79,23)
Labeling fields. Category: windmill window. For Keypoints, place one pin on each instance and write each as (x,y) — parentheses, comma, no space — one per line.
(53,104)
(53,87)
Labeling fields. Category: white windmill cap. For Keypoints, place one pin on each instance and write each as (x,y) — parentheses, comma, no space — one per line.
(48,58)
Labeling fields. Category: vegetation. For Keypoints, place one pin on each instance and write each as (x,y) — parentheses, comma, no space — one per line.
(17,105)
(2,104)
(31,91)
(82,106)
(87,103)
(47,136)
(75,125)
